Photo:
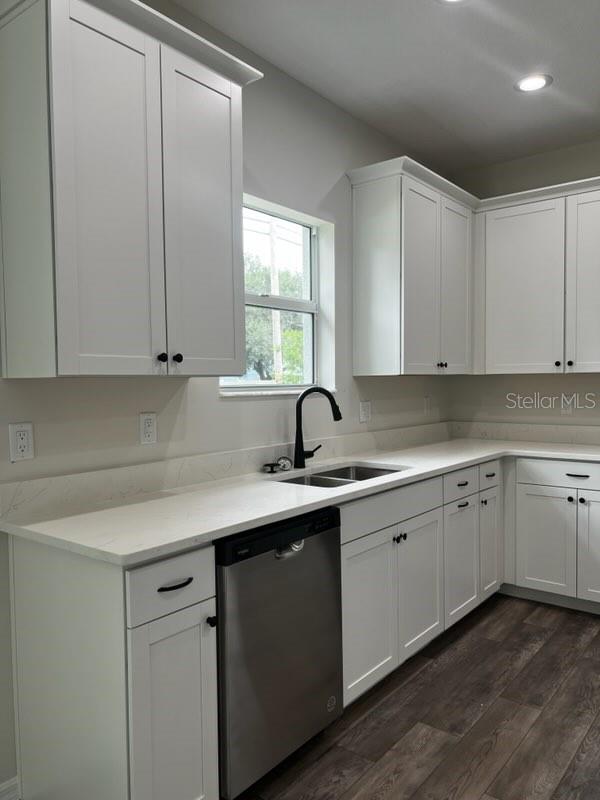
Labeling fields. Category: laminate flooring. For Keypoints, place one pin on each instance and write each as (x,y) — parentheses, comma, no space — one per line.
(503,706)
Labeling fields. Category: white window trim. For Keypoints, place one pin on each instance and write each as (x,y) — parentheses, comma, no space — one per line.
(322,242)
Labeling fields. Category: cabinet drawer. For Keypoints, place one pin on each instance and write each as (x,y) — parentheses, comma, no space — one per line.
(388,508)
(460,484)
(169,585)
(490,474)
(570,474)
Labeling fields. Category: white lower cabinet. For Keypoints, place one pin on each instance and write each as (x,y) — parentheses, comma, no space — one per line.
(420,556)
(370,611)
(491,550)
(588,545)
(547,539)
(461,558)
(392,598)
(173,707)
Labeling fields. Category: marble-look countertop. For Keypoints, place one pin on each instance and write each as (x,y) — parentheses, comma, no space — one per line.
(172,521)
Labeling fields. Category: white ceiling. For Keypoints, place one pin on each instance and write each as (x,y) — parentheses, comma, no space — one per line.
(436,76)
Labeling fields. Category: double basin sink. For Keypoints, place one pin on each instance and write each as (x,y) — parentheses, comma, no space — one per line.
(341,476)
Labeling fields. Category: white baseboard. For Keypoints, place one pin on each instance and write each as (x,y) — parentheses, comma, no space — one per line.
(9,790)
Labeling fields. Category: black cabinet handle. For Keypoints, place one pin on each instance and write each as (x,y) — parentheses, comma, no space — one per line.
(462,484)
(211,621)
(570,363)
(178,358)
(463,505)
(490,474)
(404,536)
(175,586)
(557,363)
(575,475)
(582,500)
(445,365)
(162,357)
(484,502)
(397,539)
(570,499)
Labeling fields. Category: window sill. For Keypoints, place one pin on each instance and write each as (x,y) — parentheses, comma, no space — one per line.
(229,394)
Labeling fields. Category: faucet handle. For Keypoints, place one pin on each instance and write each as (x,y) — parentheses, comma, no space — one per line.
(311,453)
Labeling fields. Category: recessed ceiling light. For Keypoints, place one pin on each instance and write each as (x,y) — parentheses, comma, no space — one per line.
(533,83)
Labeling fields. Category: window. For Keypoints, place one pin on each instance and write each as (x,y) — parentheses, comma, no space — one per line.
(281,302)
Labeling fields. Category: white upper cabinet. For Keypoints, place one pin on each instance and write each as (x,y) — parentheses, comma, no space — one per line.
(524,274)
(456,273)
(107,189)
(420,278)
(412,272)
(145,176)
(203,208)
(582,341)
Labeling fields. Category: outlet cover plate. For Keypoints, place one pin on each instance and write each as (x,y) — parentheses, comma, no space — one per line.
(147,427)
(364,411)
(20,439)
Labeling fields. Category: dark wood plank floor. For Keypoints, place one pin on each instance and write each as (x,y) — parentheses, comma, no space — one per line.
(504,706)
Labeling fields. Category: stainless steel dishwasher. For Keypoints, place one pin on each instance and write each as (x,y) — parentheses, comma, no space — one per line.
(279,643)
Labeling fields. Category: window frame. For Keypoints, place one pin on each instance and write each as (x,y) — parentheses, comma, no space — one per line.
(280,303)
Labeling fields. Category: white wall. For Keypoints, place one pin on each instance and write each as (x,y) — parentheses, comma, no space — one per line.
(297,149)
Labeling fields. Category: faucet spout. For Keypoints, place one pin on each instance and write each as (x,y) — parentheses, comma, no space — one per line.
(300,454)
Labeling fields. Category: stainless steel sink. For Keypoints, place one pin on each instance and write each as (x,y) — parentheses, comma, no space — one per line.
(318,480)
(341,476)
(355,473)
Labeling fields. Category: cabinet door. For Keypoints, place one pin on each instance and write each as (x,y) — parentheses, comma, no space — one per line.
(455,348)
(108,194)
(370,611)
(525,265)
(547,539)
(491,549)
(420,278)
(173,707)
(461,558)
(588,546)
(420,581)
(203,218)
(583,283)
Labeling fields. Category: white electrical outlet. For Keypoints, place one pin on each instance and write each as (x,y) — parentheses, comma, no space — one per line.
(148,427)
(20,438)
(364,411)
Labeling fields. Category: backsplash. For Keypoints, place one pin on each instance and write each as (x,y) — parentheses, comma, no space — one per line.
(65,495)
(526,432)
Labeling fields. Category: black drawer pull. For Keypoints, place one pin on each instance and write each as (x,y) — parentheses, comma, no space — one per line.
(211,622)
(463,483)
(175,586)
(574,475)
(463,505)
(490,474)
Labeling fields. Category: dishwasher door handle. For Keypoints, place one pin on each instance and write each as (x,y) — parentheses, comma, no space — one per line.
(293,549)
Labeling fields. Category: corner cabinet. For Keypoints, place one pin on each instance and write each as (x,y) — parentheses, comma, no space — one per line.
(412,272)
(130,262)
(524,278)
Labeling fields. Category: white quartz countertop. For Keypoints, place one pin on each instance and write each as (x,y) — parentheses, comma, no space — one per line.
(169,522)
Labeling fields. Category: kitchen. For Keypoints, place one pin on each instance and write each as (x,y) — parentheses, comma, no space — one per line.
(95,490)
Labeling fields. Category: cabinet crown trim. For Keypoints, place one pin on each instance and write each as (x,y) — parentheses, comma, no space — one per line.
(171,33)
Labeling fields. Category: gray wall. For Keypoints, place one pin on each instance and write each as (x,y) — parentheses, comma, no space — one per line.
(297,149)
(545,169)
